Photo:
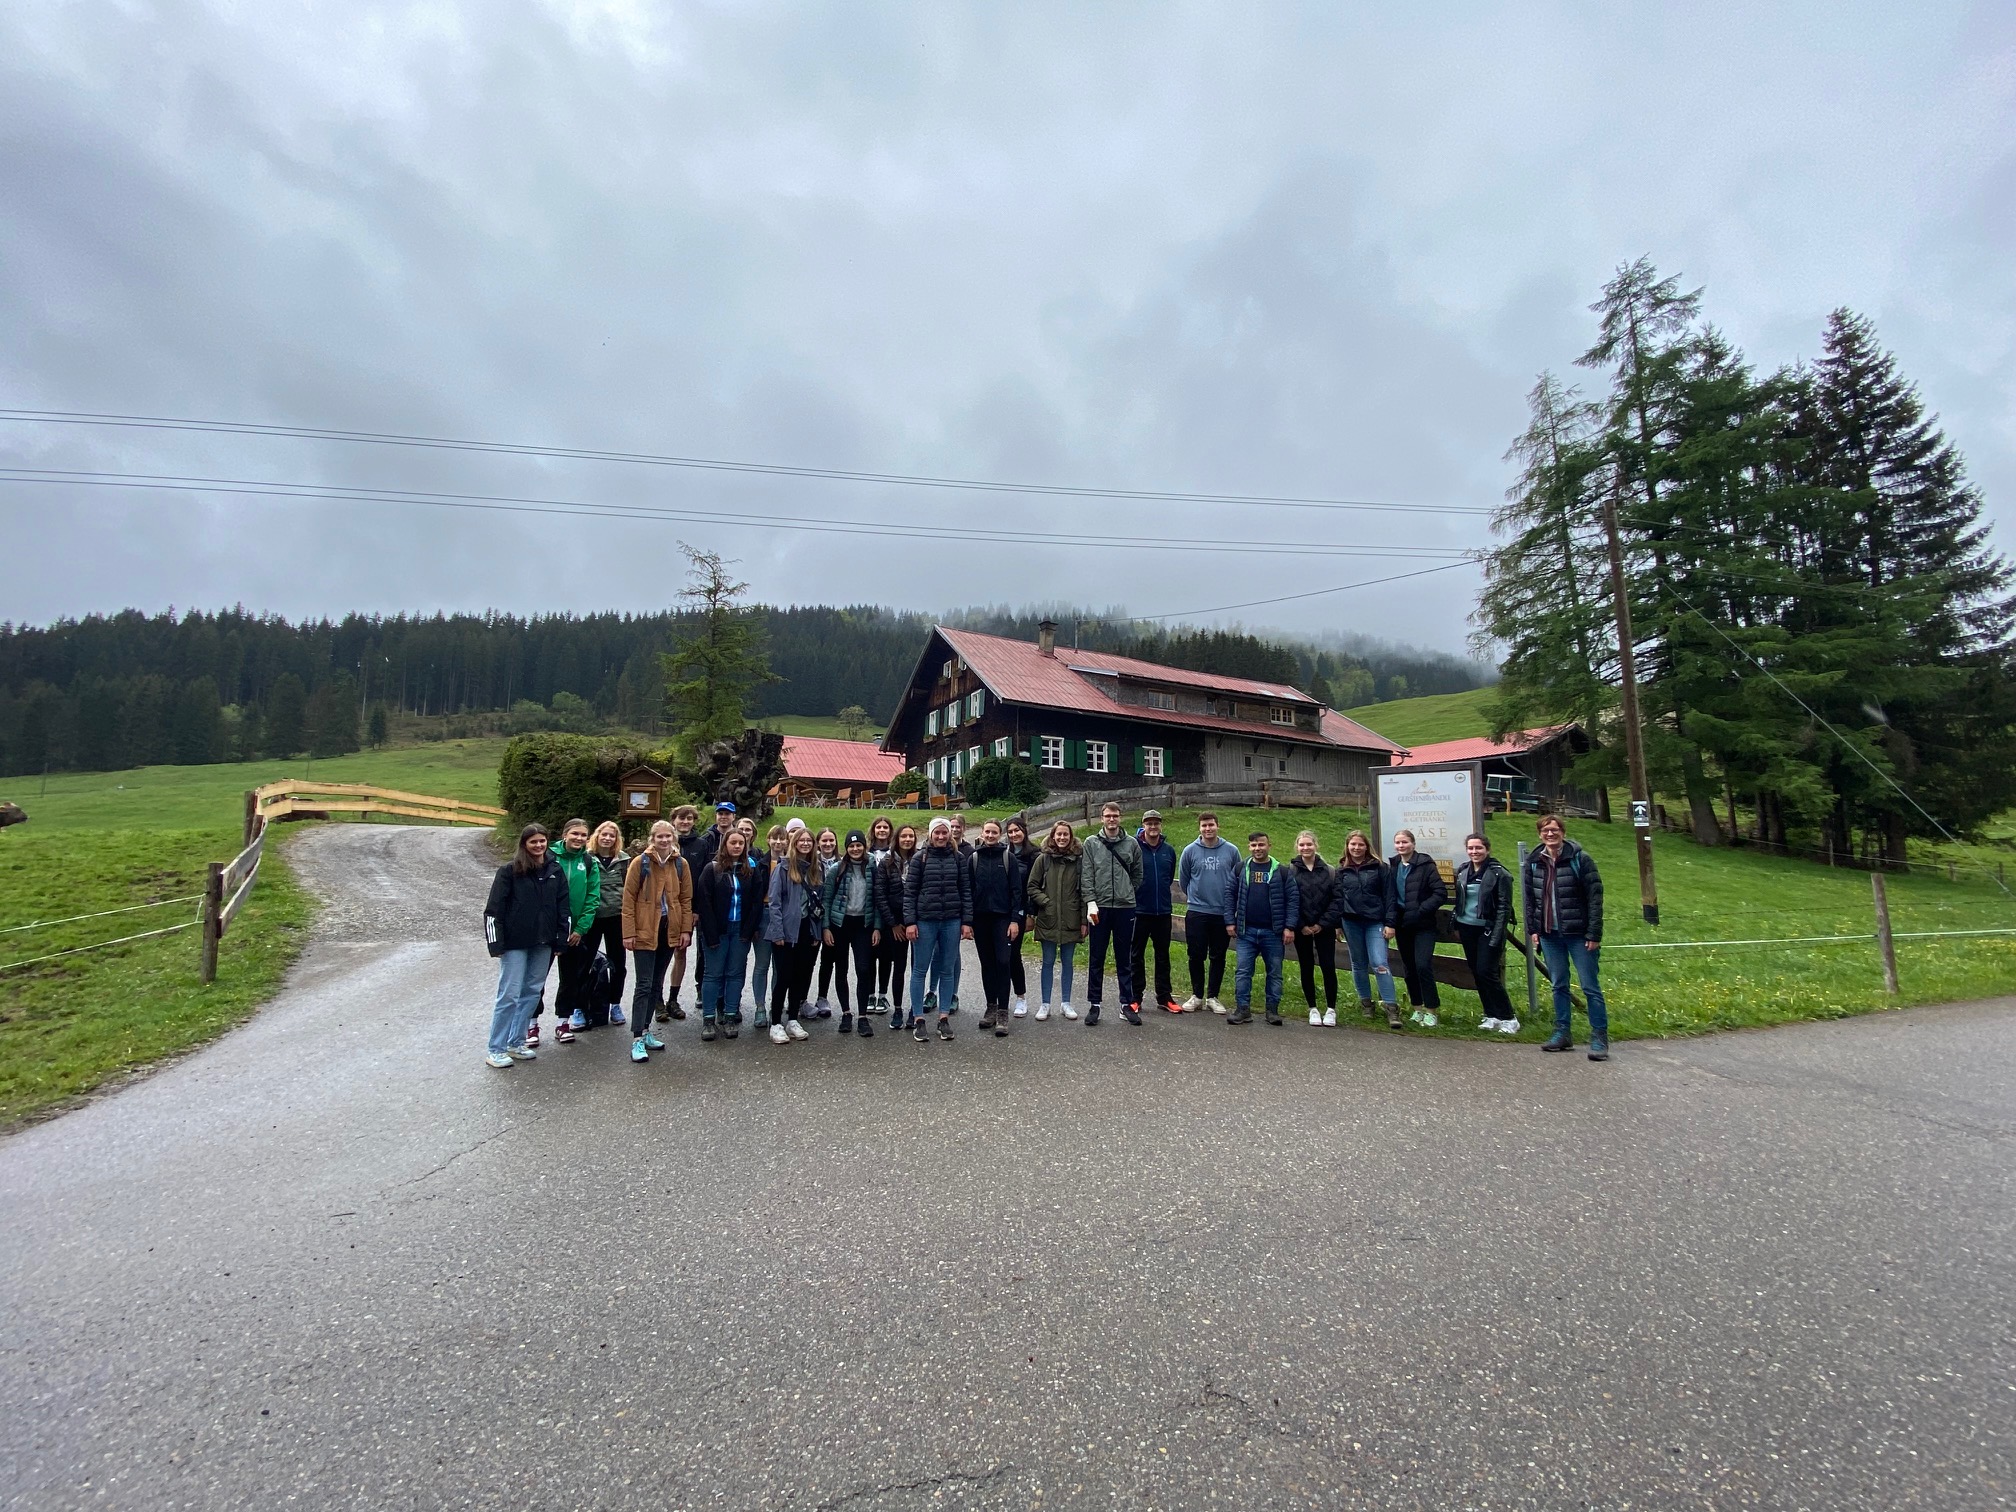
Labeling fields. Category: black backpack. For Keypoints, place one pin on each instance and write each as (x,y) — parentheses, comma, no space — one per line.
(598,994)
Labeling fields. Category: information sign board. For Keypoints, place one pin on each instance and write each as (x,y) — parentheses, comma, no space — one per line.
(1440,803)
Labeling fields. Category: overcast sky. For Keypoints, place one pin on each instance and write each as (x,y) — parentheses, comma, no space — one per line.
(1236,248)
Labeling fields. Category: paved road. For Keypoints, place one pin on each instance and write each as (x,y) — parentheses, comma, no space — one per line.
(334,1261)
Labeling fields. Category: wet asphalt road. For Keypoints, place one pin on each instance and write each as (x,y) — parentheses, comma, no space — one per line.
(335,1261)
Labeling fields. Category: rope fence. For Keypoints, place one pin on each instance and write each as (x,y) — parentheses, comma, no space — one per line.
(103,913)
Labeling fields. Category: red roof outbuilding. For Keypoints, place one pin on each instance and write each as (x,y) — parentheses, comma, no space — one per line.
(846,763)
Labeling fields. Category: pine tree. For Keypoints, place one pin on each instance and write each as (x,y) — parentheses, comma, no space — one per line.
(286,717)
(719,662)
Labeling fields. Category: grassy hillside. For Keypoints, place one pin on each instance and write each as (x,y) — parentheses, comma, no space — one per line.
(814,724)
(1423,721)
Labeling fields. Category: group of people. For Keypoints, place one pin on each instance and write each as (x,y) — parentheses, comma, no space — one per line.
(863,913)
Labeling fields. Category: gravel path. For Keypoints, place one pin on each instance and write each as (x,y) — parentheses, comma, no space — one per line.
(334,1261)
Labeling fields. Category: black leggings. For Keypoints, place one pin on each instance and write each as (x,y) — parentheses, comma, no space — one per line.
(1016,980)
(892,962)
(1312,951)
(992,945)
(608,933)
(1415,945)
(1487,965)
(829,960)
(791,974)
(850,943)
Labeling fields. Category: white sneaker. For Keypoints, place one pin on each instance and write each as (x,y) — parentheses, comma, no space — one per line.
(1070,1012)
(1042,1012)
(1428,1019)
(522,1052)
(778,1036)
(1192,1003)
(795,1029)
(1021,1007)
(1508,1026)
(1415,1017)
(1315,1018)
(1489,1025)
(498,1059)
(822,1006)
(1329,1018)
(1214,1005)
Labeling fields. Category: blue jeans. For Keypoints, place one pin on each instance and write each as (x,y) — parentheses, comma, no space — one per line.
(1115,925)
(1267,945)
(760,953)
(1051,952)
(936,957)
(1367,939)
(721,969)
(521,977)
(1558,950)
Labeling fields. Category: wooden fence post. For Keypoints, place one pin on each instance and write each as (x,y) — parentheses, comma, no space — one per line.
(1884,944)
(1532,977)
(251,817)
(213,919)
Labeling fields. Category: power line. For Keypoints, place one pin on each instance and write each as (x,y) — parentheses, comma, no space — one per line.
(1291,597)
(715,464)
(580,509)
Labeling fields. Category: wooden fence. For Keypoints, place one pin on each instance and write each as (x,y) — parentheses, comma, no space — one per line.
(229,883)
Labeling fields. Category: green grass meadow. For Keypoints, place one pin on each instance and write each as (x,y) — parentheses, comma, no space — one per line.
(1427,720)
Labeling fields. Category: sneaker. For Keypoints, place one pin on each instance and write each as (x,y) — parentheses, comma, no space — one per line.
(847,1023)
(532,1035)
(1132,1013)
(1558,1041)
(1042,1012)
(796,1030)
(1508,1026)
(498,1059)
(563,1032)
(1191,1004)
(1169,1005)
(577,1020)
(1599,1048)
(897,1019)
(918,1030)
(822,1009)
(1416,1017)
(1329,1018)
(1427,1018)
(615,1017)
(731,1026)
(1489,1025)
(707,1029)
(945,1026)
(1214,1005)
(1315,1018)
(675,1010)
(930,1002)
(1021,1007)
(522,1052)
(652,1042)
(1068,1011)
(953,1006)
(778,1036)
(639,1051)
(1092,1016)
(865,1029)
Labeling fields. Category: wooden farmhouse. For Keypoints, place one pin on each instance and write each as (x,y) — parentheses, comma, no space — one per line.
(1091,721)
(1526,771)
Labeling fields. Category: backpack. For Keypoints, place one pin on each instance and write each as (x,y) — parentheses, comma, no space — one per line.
(596,1011)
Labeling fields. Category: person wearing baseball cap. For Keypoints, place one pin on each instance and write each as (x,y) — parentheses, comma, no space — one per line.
(1154,914)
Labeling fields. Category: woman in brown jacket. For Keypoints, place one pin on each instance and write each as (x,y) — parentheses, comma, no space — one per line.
(657,919)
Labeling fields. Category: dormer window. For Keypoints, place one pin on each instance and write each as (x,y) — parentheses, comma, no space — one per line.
(1281,714)
(1160,700)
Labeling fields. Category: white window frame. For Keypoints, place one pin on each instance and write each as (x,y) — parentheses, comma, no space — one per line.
(1097,756)
(1281,714)
(1153,761)
(931,724)
(973,754)
(949,670)
(950,718)
(976,704)
(1054,753)
(1003,746)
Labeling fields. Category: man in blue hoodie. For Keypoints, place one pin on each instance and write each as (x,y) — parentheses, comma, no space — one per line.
(1208,873)
(1153,910)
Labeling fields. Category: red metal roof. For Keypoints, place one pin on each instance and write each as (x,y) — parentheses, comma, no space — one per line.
(1482,748)
(811,759)
(1017,671)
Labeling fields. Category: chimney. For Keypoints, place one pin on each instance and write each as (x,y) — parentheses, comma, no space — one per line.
(1046,637)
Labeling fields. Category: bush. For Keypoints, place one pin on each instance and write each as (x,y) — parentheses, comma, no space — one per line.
(997,779)
(550,778)
(907,782)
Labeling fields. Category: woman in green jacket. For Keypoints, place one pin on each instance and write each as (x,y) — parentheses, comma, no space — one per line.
(1057,909)
(584,896)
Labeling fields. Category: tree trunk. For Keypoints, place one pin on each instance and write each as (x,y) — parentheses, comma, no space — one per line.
(1700,800)
(1895,851)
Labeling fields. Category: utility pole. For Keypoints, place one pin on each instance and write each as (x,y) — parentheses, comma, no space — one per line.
(1634,735)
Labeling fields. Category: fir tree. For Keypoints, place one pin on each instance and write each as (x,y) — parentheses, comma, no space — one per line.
(721,660)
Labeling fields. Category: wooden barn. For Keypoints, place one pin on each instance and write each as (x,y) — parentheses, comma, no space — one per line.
(1525,771)
(822,773)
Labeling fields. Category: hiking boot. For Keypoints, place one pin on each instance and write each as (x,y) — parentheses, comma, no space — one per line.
(1241,1014)
(1393,1019)
(707,1030)
(1274,1015)
(1365,1007)
(1599,1047)
(1558,1041)
(1001,1017)
(987,1016)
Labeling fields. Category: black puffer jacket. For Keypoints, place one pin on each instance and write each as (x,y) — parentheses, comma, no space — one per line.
(1363,892)
(889,878)
(528,910)
(1318,886)
(1494,897)
(938,886)
(1578,893)
(1026,854)
(999,883)
(1426,893)
(711,897)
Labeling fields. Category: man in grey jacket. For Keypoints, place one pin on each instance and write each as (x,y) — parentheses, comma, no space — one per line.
(1111,874)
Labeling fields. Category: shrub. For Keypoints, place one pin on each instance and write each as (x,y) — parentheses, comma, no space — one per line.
(996,779)
(550,778)
(907,782)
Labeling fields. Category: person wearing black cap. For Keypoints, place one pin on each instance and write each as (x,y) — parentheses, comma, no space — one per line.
(1154,913)
(853,928)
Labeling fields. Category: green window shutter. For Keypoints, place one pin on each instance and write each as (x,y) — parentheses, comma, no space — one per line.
(1074,755)
(1140,761)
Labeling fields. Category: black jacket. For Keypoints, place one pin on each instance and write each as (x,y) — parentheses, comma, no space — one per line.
(1027,856)
(1426,892)
(1318,886)
(1363,892)
(1000,886)
(711,890)
(938,886)
(888,880)
(529,911)
(1578,893)
(1494,901)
